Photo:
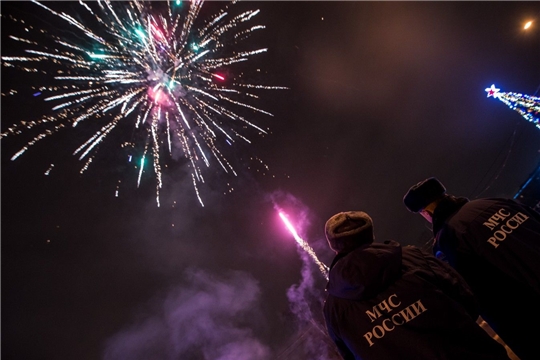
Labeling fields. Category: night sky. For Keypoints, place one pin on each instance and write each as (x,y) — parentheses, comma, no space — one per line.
(381,95)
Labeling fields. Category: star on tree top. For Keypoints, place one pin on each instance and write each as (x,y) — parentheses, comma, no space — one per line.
(492,91)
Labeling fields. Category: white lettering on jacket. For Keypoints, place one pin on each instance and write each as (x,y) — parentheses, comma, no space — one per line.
(501,227)
(383,305)
(389,323)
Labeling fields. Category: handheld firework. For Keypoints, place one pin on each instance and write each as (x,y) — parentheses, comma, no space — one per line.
(304,245)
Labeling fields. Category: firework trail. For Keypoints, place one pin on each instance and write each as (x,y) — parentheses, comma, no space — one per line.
(304,245)
(150,73)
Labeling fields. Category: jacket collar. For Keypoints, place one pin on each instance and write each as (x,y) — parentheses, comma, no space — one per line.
(447,207)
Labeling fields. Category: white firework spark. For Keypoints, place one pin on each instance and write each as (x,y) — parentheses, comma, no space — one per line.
(146,66)
(323,268)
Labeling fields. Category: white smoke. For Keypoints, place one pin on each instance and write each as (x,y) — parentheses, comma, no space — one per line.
(299,294)
(207,318)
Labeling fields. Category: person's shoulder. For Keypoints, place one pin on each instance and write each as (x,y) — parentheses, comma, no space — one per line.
(494,201)
(485,203)
(411,248)
(413,251)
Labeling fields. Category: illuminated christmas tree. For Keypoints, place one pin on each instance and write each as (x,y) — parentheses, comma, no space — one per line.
(526,105)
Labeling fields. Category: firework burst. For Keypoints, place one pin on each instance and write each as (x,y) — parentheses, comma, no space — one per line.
(150,72)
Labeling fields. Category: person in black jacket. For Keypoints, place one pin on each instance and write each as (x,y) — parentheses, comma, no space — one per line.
(494,243)
(385,301)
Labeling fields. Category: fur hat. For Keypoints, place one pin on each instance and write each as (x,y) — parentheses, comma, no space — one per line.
(423,193)
(346,231)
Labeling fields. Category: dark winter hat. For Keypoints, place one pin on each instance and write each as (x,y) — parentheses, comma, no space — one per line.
(423,193)
(346,231)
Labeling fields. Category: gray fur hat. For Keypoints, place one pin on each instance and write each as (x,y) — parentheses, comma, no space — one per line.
(345,231)
(422,194)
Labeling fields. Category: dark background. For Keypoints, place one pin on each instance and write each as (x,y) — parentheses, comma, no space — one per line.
(381,95)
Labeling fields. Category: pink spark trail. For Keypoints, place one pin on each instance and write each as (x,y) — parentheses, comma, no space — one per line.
(304,245)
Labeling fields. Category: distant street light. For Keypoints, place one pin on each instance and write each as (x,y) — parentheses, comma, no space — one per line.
(527,26)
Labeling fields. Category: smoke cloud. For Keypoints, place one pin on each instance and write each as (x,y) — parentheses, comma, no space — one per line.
(300,294)
(205,318)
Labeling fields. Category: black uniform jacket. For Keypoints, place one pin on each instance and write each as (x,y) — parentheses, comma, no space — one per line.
(389,302)
(495,245)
